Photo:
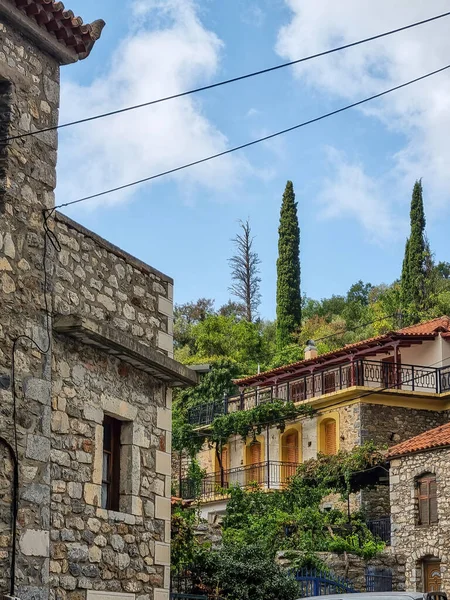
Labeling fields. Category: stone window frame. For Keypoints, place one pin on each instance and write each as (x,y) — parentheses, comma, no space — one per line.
(133,438)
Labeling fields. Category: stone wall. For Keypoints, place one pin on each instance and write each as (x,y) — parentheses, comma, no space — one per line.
(96,280)
(31,96)
(92,548)
(418,542)
(6,494)
(390,425)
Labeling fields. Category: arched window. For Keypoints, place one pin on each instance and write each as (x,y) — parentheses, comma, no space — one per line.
(328,437)
(427,499)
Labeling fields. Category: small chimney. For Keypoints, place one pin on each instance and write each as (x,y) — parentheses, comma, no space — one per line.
(310,350)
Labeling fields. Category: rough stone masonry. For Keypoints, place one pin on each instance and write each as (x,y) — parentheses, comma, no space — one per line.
(92,331)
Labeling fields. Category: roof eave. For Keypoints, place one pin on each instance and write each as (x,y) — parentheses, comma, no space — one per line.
(39,36)
(298,369)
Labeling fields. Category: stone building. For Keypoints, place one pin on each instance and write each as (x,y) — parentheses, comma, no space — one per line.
(385,389)
(420,508)
(86,360)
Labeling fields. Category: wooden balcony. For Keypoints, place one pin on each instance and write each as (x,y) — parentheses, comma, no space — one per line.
(379,375)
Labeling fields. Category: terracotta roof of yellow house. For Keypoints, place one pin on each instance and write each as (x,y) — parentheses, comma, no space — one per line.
(412,334)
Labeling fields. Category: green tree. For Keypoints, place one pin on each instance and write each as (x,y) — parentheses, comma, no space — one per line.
(289,301)
(414,270)
(246,572)
(185,317)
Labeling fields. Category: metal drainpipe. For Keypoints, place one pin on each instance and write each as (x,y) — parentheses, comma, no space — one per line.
(268,458)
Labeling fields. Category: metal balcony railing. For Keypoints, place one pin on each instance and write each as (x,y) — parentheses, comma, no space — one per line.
(381,528)
(266,475)
(364,373)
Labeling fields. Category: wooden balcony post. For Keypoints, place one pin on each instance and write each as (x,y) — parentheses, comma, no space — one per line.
(268,457)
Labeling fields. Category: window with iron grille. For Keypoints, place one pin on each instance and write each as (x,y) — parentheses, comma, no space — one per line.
(111,463)
(427,499)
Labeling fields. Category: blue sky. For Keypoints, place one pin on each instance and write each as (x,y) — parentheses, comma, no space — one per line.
(353,174)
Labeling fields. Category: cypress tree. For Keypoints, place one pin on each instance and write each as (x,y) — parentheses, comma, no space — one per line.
(288,269)
(413,281)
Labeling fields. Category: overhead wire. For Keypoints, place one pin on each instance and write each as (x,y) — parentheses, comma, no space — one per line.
(253,142)
(352,329)
(231,80)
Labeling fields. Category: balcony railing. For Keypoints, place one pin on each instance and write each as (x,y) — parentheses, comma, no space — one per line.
(381,528)
(266,475)
(364,373)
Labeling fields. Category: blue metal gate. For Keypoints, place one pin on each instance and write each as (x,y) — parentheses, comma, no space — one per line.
(378,579)
(314,582)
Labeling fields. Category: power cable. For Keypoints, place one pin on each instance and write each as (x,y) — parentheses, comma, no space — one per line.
(352,329)
(227,81)
(254,142)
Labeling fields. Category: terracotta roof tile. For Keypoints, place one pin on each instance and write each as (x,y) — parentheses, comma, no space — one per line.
(439,324)
(434,438)
(431,327)
(62,24)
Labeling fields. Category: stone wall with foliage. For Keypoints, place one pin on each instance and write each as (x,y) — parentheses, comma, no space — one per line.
(418,542)
(353,568)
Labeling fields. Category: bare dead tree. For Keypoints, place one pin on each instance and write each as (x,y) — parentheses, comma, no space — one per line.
(245,271)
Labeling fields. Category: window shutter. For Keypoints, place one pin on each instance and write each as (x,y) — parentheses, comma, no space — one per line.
(255,453)
(427,496)
(433,501)
(330,437)
(291,449)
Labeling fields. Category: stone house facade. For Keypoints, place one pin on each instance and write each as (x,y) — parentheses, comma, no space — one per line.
(420,508)
(86,359)
(385,389)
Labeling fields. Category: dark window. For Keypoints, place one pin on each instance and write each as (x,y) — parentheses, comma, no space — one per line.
(427,496)
(329,383)
(5,120)
(111,463)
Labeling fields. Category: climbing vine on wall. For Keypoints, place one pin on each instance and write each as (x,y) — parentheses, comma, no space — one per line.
(244,423)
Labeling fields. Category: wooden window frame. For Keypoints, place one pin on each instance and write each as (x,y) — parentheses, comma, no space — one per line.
(427,499)
(112,481)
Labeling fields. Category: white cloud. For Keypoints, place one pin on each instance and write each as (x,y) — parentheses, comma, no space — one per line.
(253,112)
(168,51)
(421,112)
(350,192)
(253,14)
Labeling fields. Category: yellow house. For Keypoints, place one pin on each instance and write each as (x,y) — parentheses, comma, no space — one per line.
(386,389)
